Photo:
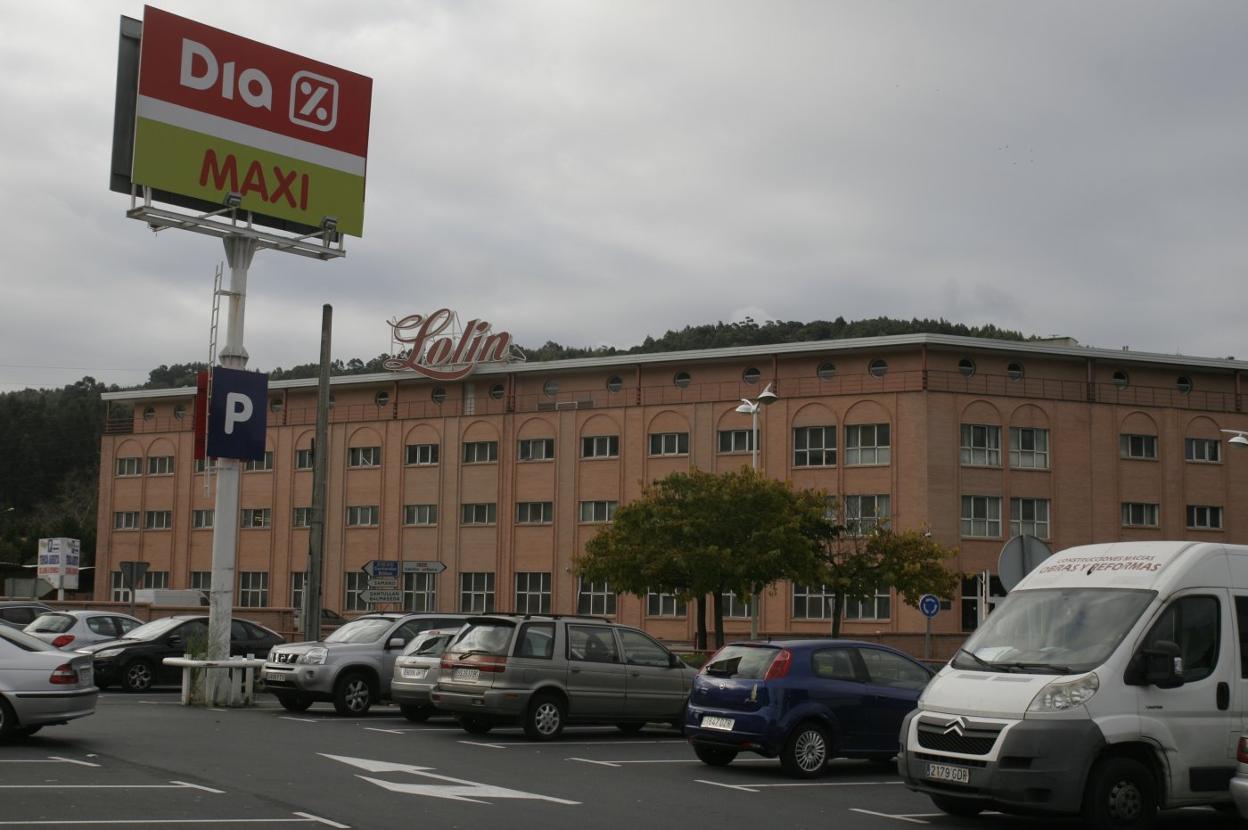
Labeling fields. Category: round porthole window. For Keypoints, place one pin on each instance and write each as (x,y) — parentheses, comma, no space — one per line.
(179,411)
(614,384)
(497,391)
(681,379)
(751,375)
(966,366)
(382,398)
(1184,384)
(1014,371)
(550,388)
(826,371)
(276,405)
(1121,380)
(331,400)
(878,368)
(438,394)
(149,413)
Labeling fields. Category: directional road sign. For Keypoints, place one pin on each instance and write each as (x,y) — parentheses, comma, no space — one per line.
(381,567)
(383,583)
(929,604)
(424,567)
(381,597)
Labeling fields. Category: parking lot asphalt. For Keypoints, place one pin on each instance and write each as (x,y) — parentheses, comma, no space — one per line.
(146,761)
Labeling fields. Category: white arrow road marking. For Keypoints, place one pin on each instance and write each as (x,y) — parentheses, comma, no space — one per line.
(460,789)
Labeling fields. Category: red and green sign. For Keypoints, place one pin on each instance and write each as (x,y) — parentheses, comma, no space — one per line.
(218,113)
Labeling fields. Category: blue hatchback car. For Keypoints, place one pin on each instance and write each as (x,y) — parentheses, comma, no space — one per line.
(804,701)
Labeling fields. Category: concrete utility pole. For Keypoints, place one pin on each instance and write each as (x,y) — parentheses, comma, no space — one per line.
(320,456)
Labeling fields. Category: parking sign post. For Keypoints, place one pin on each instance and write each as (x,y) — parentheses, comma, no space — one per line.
(929,604)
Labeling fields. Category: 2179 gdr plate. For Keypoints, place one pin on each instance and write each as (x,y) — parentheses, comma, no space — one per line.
(950,773)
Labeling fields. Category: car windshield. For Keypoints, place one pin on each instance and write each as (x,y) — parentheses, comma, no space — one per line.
(23,640)
(154,629)
(363,630)
(1062,631)
(745,662)
(429,644)
(484,638)
(51,624)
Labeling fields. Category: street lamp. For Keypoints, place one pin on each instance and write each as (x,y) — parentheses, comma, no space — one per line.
(748,407)
(1240,438)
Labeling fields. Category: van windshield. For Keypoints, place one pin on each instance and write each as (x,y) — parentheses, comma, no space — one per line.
(1053,631)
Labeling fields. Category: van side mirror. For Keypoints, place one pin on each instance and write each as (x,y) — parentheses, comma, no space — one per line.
(396,642)
(674,661)
(1160,665)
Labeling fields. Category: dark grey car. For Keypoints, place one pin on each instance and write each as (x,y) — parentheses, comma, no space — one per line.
(545,672)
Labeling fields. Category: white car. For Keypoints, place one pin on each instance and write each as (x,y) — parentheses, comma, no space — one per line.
(71,630)
(40,686)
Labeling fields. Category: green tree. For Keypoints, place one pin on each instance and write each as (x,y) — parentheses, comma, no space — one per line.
(910,561)
(697,534)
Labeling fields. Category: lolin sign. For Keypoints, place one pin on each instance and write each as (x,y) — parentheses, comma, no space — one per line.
(443,350)
(218,113)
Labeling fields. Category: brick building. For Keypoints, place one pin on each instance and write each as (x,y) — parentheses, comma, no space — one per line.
(504,475)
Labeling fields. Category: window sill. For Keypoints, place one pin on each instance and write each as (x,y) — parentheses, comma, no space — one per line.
(600,458)
(533,460)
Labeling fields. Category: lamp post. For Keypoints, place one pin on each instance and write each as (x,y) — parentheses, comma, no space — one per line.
(748,407)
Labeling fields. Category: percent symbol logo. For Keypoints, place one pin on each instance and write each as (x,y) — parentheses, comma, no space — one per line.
(313,101)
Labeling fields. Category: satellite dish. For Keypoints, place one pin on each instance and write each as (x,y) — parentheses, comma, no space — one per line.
(1019,557)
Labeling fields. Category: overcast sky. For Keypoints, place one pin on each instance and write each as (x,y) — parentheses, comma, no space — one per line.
(593,172)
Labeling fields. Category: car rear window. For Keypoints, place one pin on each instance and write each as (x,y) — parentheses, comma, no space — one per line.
(746,662)
(52,623)
(490,637)
(23,640)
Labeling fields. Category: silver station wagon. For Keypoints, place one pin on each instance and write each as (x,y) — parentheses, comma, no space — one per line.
(547,671)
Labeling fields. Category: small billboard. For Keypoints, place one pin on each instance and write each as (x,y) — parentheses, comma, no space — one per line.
(59,559)
(217,114)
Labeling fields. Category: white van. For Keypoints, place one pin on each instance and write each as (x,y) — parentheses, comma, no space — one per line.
(1111,682)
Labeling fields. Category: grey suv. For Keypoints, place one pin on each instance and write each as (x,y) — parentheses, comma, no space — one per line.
(547,671)
(351,667)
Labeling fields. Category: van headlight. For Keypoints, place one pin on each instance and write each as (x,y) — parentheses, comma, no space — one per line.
(314,656)
(1061,695)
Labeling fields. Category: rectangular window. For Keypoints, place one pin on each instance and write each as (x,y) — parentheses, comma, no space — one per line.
(669,443)
(596,512)
(155,579)
(1139,514)
(476,592)
(423,455)
(595,598)
(304,459)
(533,592)
(420,514)
(1204,517)
(536,449)
(1030,517)
(812,602)
(735,608)
(865,513)
(160,465)
(201,580)
(364,457)
(1137,446)
(205,465)
(201,519)
(256,517)
(118,592)
(981,517)
(364,515)
(877,607)
(420,592)
(355,583)
(478,514)
(302,517)
(736,440)
(600,446)
(129,466)
(261,464)
(126,520)
(1204,450)
(814,446)
(981,445)
(297,580)
(867,444)
(480,452)
(535,513)
(665,605)
(253,589)
(1029,448)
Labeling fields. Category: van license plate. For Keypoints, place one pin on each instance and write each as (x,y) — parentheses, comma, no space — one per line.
(722,724)
(948,772)
(466,674)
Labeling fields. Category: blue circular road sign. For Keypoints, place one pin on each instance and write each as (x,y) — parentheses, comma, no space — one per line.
(929,604)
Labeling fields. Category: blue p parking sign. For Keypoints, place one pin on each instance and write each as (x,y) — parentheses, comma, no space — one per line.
(929,604)
(236,414)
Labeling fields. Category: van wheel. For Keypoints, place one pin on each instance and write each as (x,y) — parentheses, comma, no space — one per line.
(8,720)
(805,751)
(353,694)
(139,676)
(293,702)
(416,714)
(1121,794)
(714,756)
(475,726)
(544,719)
(964,807)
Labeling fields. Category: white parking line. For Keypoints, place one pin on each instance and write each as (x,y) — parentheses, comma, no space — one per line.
(753,788)
(299,720)
(621,743)
(324,821)
(199,787)
(304,818)
(387,731)
(916,818)
(691,761)
(478,743)
(172,785)
(51,759)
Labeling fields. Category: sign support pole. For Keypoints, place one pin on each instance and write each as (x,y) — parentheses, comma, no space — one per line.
(320,459)
(239,251)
